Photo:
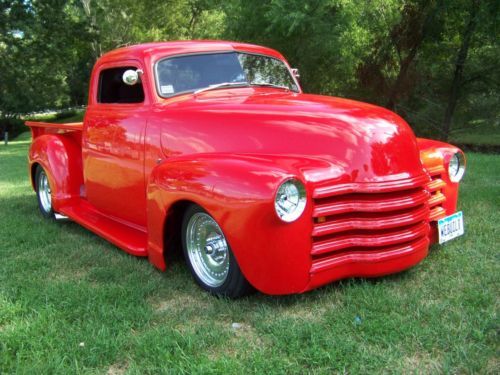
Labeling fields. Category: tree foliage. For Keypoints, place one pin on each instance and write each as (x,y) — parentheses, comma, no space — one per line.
(433,61)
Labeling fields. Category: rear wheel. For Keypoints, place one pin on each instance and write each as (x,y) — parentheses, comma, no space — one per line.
(44,193)
(209,256)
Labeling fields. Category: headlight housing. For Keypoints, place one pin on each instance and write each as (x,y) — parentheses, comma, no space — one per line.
(456,167)
(290,200)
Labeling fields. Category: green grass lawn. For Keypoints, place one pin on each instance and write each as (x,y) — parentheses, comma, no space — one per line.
(72,303)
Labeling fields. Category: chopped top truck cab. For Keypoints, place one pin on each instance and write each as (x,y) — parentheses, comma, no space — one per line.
(212,147)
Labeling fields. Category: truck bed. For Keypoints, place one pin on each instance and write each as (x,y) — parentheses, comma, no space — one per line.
(69,126)
(71,129)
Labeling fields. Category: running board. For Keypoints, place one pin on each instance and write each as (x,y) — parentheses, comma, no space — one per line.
(60,217)
(129,238)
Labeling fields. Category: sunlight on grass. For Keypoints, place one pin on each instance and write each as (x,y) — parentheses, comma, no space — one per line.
(70,302)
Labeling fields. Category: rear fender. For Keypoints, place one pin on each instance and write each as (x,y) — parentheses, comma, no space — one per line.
(238,191)
(61,158)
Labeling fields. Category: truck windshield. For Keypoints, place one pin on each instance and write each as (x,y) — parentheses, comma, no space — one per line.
(183,74)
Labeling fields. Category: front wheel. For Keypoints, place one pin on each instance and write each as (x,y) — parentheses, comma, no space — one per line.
(209,256)
(44,193)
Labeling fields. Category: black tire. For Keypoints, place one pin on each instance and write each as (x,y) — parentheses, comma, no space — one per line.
(47,212)
(235,284)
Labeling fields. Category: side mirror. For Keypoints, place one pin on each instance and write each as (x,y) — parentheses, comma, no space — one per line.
(296,73)
(131,77)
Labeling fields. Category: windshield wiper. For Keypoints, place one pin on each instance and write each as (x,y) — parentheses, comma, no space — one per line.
(270,85)
(222,84)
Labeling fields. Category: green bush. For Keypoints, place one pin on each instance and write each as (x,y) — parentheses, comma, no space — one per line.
(66,113)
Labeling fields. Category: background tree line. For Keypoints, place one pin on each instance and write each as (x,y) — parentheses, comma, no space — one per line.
(435,62)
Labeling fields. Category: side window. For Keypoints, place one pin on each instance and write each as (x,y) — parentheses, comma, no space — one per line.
(112,89)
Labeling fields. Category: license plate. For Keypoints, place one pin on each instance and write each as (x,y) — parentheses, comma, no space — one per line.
(450,227)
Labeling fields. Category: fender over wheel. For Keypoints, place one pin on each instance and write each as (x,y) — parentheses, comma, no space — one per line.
(209,256)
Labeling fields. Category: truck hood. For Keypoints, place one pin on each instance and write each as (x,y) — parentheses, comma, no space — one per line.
(327,137)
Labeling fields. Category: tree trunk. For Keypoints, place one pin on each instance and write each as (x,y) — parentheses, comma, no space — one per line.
(96,45)
(459,69)
(403,69)
(419,17)
(4,130)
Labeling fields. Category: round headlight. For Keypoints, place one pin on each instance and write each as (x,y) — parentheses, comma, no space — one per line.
(456,167)
(290,200)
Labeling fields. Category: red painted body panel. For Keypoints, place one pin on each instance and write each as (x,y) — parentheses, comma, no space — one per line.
(58,150)
(374,190)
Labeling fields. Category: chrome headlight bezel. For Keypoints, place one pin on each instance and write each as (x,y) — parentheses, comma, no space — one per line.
(456,167)
(290,200)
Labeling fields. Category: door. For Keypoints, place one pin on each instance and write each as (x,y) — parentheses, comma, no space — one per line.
(113,145)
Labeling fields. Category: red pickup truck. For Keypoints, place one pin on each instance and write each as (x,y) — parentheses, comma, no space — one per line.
(212,147)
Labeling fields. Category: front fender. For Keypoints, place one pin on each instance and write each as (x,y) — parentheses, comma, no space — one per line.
(238,191)
(435,156)
(61,158)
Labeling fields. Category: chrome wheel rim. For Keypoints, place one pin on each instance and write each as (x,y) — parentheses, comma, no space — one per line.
(44,192)
(207,249)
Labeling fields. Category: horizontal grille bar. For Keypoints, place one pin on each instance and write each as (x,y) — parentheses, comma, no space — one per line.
(436,170)
(436,185)
(375,254)
(371,221)
(370,239)
(370,187)
(437,198)
(437,213)
(371,203)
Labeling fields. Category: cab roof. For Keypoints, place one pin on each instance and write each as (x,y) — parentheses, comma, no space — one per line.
(162,49)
